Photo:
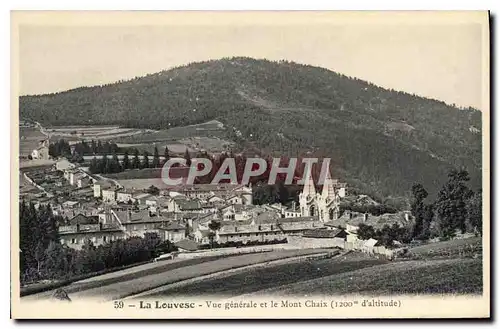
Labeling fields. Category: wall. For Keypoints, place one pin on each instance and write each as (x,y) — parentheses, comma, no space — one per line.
(303,243)
(245,237)
(234,251)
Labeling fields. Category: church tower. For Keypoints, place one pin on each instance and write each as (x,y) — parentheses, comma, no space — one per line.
(329,200)
(308,199)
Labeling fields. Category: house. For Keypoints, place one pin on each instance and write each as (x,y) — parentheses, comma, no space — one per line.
(41,152)
(74,175)
(235,199)
(263,227)
(173,231)
(83,182)
(81,219)
(237,212)
(186,245)
(123,196)
(202,236)
(70,204)
(291,212)
(141,198)
(326,234)
(75,236)
(181,204)
(109,194)
(140,222)
(101,185)
(369,245)
(214,199)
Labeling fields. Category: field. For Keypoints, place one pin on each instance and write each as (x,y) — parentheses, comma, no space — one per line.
(29,139)
(453,248)
(206,136)
(268,277)
(173,148)
(455,276)
(91,132)
(136,174)
(293,273)
(120,285)
(208,129)
(140,184)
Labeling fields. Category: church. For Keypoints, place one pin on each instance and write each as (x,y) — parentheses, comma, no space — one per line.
(324,205)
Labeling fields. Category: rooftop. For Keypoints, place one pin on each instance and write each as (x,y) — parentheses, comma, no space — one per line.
(187,244)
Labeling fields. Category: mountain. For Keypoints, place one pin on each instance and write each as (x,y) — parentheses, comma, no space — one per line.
(380,141)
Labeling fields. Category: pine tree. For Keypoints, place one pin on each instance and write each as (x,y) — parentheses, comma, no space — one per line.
(156,158)
(475,213)
(125,161)
(187,156)
(166,155)
(115,164)
(136,164)
(94,166)
(420,211)
(145,160)
(103,164)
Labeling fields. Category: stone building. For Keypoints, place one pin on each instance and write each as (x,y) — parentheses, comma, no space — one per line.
(324,205)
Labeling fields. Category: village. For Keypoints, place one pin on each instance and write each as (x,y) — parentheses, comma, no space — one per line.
(99,210)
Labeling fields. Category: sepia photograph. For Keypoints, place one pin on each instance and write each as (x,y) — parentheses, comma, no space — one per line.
(191,165)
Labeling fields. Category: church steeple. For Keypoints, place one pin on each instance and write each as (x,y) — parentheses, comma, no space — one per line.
(309,188)
(328,190)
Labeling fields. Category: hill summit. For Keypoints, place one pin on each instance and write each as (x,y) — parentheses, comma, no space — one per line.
(381,141)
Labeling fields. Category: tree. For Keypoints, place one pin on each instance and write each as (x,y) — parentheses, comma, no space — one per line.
(422,212)
(366,232)
(136,164)
(145,160)
(166,153)
(125,161)
(265,194)
(187,156)
(283,193)
(115,164)
(94,167)
(153,190)
(156,158)
(56,262)
(214,226)
(39,256)
(475,213)
(451,204)
(103,164)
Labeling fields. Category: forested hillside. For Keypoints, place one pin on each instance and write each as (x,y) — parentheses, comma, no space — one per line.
(380,141)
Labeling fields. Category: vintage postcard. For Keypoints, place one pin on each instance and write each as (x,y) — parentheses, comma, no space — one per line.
(250,165)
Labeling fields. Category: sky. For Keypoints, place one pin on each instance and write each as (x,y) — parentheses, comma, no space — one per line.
(436,60)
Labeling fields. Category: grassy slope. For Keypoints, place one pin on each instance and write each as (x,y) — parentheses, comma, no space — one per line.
(256,279)
(135,283)
(379,140)
(407,277)
(442,267)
